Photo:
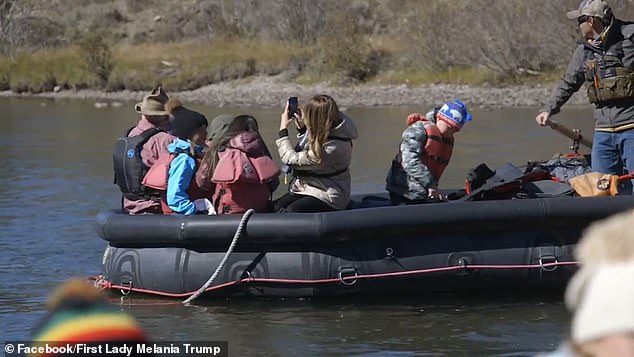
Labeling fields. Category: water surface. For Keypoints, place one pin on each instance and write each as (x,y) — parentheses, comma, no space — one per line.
(57,174)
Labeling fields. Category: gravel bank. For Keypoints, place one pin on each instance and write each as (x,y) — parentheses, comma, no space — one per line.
(272,91)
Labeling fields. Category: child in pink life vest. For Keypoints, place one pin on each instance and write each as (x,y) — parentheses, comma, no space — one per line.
(239,164)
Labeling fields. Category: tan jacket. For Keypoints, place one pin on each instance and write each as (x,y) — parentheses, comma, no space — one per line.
(337,156)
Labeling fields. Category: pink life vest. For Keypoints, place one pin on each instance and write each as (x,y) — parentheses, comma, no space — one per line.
(242,175)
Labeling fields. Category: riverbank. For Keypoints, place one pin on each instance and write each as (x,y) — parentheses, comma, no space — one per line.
(270,91)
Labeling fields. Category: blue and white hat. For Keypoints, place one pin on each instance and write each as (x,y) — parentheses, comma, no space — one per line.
(454,113)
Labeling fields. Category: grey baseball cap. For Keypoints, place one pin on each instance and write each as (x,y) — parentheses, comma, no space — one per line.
(594,8)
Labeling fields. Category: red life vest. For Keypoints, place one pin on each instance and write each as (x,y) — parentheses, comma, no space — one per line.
(437,151)
(158,176)
(242,175)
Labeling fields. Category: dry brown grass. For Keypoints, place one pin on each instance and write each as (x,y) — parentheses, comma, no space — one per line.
(190,44)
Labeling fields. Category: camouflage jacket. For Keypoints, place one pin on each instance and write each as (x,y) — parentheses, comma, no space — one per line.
(408,176)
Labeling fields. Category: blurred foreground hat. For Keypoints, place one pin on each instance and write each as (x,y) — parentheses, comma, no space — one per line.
(608,241)
(602,300)
(601,294)
(80,312)
(185,121)
(454,113)
(594,8)
(154,103)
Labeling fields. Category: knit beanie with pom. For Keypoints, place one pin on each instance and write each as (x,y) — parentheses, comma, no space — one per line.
(185,121)
(78,312)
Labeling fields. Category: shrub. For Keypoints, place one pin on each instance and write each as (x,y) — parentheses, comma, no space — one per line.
(97,56)
(5,81)
(344,50)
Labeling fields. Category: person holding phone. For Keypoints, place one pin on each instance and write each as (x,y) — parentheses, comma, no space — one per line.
(321,165)
(294,112)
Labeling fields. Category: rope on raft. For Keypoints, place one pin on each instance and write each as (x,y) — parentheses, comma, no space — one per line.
(100,281)
(243,222)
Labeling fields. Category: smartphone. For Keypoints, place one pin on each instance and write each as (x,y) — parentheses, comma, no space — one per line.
(293,107)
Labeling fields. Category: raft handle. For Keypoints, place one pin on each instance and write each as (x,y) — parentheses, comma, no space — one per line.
(389,252)
(352,273)
(548,259)
(128,287)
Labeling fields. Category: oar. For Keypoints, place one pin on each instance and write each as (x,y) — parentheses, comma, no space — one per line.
(569,133)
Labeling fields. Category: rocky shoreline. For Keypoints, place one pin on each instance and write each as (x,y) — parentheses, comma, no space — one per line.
(273,91)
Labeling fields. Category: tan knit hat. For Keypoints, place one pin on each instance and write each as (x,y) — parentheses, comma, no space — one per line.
(154,103)
(601,294)
(602,300)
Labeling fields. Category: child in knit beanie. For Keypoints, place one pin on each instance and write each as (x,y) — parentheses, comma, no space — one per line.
(183,196)
(425,150)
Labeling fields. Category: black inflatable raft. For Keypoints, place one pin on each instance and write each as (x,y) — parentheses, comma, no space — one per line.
(372,249)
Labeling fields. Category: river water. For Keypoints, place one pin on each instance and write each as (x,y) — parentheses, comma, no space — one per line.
(57,174)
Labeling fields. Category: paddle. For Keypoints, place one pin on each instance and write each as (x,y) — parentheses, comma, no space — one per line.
(569,133)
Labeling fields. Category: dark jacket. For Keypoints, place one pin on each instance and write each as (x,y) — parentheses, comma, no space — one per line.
(608,115)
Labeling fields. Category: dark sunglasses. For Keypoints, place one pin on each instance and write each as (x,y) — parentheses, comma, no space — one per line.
(583,18)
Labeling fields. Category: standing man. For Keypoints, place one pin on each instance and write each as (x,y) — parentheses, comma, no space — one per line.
(424,153)
(139,149)
(604,62)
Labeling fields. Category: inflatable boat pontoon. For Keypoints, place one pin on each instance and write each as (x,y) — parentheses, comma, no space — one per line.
(373,249)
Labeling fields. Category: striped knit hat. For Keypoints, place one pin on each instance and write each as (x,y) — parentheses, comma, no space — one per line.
(78,312)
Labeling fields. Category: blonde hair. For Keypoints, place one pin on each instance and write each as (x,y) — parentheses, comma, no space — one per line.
(321,114)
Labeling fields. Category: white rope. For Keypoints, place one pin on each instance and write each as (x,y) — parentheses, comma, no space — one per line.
(243,222)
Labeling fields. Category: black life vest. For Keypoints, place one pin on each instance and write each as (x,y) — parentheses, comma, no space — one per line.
(128,166)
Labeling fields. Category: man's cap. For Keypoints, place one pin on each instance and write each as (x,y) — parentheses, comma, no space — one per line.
(594,8)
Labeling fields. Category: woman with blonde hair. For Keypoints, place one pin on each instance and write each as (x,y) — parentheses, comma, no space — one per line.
(321,174)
